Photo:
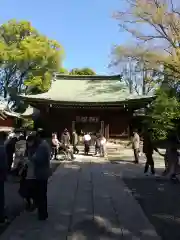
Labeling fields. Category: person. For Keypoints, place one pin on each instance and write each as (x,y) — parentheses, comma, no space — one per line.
(3,175)
(39,163)
(148,149)
(97,144)
(42,171)
(55,145)
(65,138)
(65,143)
(87,139)
(171,157)
(10,149)
(102,146)
(136,145)
(20,149)
(75,142)
(27,181)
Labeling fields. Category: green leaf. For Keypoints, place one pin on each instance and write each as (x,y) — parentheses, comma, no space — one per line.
(28,59)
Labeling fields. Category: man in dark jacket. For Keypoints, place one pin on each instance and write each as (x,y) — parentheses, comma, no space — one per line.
(75,142)
(148,149)
(42,171)
(3,174)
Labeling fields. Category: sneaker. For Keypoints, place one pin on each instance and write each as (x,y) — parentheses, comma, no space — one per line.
(146,174)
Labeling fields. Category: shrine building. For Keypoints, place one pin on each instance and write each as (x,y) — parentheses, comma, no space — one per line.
(87,104)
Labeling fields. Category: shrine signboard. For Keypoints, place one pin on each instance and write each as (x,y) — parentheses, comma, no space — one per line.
(85,119)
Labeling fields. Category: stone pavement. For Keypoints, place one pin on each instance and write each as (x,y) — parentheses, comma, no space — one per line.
(86,200)
(14,203)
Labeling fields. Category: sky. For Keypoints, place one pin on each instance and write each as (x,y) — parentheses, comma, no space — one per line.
(85,28)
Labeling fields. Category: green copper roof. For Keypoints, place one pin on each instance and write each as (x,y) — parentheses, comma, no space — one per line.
(88,89)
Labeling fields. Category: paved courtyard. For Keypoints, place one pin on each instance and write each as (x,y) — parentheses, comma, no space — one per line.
(87,200)
(93,198)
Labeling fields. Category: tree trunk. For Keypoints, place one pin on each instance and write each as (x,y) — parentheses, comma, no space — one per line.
(144,81)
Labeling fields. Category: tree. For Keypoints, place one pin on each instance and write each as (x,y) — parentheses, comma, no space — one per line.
(138,75)
(155,23)
(164,114)
(82,71)
(27,59)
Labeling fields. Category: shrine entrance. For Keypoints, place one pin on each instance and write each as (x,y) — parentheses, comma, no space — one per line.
(87,127)
(85,124)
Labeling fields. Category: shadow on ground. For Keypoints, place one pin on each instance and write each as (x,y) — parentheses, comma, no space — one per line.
(159,199)
(14,203)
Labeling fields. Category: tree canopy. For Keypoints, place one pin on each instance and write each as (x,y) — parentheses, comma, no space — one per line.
(155,26)
(82,71)
(63,70)
(27,59)
(163,115)
(139,75)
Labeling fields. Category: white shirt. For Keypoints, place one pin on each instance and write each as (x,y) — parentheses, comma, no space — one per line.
(11,135)
(136,141)
(87,137)
(103,141)
(55,141)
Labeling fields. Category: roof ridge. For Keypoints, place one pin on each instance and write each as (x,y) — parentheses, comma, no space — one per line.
(86,77)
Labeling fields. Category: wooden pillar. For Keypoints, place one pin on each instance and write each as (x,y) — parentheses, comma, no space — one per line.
(107,131)
(102,127)
(73,126)
(128,131)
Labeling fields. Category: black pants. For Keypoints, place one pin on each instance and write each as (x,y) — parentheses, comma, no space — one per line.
(97,149)
(75,149)
(86,148)
(27,189)
(54,152)
(149,162)
(136,155)
(9,160)
(2,201)
(41,198)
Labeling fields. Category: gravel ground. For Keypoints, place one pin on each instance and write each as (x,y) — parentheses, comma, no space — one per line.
(14,203)
(160,200)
